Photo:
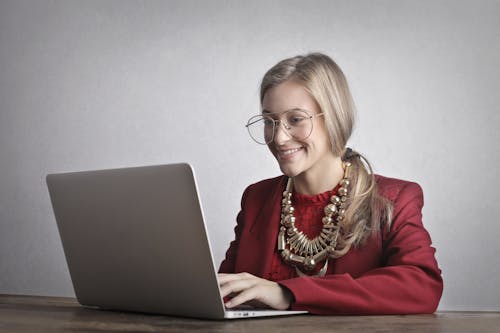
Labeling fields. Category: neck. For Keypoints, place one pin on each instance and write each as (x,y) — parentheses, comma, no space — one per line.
(318,181)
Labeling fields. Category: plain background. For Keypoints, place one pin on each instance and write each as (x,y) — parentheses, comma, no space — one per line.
(105,84)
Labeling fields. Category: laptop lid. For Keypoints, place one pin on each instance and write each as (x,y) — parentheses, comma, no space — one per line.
(135,239)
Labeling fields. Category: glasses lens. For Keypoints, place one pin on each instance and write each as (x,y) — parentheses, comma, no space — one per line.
(299,124)
(261,129)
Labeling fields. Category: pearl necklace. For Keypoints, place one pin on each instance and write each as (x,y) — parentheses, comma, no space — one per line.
(295,247)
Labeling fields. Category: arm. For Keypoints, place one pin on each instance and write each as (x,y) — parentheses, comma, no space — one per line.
(409,281)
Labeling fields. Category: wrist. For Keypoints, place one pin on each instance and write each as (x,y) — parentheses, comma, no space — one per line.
(288,297)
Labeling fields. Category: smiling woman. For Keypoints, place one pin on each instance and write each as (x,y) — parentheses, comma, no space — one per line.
(328,236)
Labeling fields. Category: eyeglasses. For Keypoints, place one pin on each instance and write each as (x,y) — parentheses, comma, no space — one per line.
(297,123)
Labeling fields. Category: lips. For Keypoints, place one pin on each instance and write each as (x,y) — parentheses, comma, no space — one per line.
(289,152)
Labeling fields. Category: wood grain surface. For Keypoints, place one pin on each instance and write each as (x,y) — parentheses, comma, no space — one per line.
(57,314)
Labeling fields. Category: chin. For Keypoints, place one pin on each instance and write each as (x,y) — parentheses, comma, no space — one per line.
(289,172)
(290,168)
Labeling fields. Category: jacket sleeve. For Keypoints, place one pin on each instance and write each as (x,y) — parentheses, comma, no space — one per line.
(228,264)
(409,280)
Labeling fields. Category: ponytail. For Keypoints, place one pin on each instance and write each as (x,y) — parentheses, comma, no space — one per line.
(367,212)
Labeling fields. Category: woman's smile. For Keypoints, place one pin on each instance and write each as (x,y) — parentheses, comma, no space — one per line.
(288,153)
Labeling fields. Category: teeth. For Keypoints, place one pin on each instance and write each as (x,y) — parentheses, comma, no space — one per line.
(290,151)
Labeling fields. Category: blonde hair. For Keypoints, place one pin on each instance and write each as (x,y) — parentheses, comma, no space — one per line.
(367,212)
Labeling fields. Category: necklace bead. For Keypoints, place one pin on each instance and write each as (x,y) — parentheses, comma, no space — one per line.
(330,209)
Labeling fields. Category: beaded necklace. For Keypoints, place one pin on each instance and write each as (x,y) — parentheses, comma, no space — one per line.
(295,247)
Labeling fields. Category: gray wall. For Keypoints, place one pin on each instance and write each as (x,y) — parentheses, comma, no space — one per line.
(87,84)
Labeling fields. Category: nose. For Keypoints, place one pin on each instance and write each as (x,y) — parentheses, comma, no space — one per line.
(281,133)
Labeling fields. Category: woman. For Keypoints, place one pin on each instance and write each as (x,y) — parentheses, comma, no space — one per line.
(328,236)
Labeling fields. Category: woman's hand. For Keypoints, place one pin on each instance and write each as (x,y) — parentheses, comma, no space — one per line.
(245,288)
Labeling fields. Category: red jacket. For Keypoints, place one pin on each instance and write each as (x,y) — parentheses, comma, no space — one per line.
(393,273)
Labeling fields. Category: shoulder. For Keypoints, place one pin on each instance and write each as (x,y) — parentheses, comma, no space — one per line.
(406,197)
(396,189)
(264,188)
(266,184)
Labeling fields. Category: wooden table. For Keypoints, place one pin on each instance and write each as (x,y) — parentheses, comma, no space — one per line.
(57,314)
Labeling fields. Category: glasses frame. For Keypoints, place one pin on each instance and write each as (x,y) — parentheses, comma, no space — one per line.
(278,122)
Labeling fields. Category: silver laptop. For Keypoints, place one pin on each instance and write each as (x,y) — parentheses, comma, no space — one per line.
(135,240)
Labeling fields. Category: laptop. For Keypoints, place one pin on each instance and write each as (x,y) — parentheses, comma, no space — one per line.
(135,240)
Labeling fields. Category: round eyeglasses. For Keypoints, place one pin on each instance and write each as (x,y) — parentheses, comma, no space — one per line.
(297,123)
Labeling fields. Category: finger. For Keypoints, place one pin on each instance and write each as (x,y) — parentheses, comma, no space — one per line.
(244,297)
(268,294)
(225,278)
(236,286)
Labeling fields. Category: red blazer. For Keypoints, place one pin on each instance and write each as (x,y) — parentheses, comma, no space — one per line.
(393,273)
